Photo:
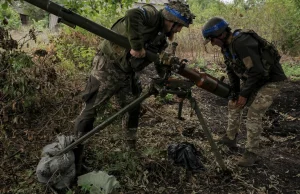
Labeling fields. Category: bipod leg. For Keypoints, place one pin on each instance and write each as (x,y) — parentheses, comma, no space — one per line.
(207,133)
(107,121)
(180,109)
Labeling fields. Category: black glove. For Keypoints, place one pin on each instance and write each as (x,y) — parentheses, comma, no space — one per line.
(233,95)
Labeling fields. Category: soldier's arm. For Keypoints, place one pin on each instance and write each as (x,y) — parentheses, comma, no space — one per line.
(247,50)
(136,19)
(233,78)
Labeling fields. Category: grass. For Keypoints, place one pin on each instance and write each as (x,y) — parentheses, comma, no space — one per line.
(292,71)
(209,67)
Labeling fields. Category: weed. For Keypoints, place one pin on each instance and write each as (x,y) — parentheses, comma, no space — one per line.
(165,99)
(292,71)
(210,68)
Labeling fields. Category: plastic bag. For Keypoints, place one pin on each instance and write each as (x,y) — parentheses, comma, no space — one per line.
(57,171)
(185,155)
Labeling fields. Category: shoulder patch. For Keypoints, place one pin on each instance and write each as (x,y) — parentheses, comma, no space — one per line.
(248,62)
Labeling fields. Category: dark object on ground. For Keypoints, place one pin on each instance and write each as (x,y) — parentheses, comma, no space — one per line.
(185,155)
(40,52)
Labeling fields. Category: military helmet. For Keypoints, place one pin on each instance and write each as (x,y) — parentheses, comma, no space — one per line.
(214,27)
(178,11)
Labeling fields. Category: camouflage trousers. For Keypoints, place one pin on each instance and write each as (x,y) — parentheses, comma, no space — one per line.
(107,80)
(258,104)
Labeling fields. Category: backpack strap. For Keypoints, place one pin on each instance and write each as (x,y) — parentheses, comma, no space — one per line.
(236,34)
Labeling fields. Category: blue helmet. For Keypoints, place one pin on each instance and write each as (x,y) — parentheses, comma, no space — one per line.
(178,11)
(214,27)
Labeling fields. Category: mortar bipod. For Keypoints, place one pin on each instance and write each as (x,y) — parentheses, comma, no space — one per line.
(182,88)
(155,88)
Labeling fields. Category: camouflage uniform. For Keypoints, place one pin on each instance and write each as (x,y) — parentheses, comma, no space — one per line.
(258,67)
(114,69)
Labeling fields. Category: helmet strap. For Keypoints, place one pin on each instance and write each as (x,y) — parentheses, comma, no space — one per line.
(173,26)
(223,38)
(170,33)
(227,37)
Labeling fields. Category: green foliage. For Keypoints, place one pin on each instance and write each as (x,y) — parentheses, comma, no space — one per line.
(169,97)
(201,63)
(17,88)
(211,69)
(152,152)
(20,61)
(14,62)
(104,12)
(75,50)
(86,188)
(11,9)
(12,17)
(41,24)
(259,15)
(292,70)
(69,192)
(165,99)
(33,12)
(120,162)
(95,5)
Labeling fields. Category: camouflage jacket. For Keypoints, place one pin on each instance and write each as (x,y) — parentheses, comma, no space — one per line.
(142,26)
(248,60)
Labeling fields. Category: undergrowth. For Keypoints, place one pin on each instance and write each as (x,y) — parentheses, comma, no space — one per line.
(292,70)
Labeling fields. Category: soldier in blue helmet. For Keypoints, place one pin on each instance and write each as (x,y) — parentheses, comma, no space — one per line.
(252,60)
(114,68)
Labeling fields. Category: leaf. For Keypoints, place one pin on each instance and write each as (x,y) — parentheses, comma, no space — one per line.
(4,5)
(98,182)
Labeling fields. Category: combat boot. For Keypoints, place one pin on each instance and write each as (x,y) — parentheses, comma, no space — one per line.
(131,138)
(78,153)
(228,142)
(248,159)
(131,144)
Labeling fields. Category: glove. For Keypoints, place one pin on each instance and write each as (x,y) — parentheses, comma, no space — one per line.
(233,95)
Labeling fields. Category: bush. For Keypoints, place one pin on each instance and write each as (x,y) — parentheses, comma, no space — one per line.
(261,16)
(13,18)
(76,49)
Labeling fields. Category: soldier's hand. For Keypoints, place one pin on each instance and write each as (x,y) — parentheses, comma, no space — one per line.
(138,54)
(232,103)
(241,102)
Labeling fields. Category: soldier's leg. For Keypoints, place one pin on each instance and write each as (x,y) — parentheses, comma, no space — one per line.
(130,120)
(103,83)
(129,125)
(262,101)
(257,109)
(234,120)
(84,122)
